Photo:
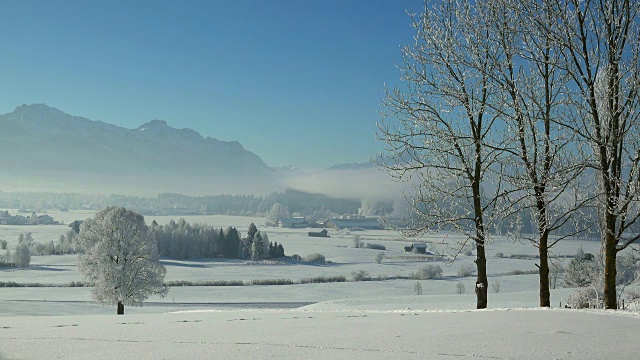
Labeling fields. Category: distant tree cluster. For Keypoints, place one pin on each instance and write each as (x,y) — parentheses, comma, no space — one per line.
(66,245)
(181,240)
(22,255)
(256,246)
(27,247)
(312,206)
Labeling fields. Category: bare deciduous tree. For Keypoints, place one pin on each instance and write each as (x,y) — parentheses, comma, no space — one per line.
(600,42)
(438,128)
(544,164)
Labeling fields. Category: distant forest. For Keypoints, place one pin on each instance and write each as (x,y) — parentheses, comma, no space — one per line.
(312,206)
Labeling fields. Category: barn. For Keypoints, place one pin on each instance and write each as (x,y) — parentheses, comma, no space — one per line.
(293,223)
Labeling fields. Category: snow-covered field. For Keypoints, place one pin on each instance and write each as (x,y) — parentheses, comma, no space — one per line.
(317,334)
(352,320)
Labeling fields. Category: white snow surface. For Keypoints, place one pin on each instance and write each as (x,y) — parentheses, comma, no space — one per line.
(351,320)
(314,334)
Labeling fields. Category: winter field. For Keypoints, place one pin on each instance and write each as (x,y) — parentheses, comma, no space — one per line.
(379,319)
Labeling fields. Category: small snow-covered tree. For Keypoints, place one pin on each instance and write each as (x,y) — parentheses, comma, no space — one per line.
(278,211)
(582,271)
(121,259)
(22,255)
(252,232)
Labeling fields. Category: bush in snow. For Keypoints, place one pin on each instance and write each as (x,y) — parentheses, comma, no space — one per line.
(460,288)
(586,297)
(315,258)
(7,259)
(360,275)
(272,282)
(633,299)
(465,270)
(378,258)
(428,272)
(323,279)
(356,241)
(582,271)
(627,269)
(375,246)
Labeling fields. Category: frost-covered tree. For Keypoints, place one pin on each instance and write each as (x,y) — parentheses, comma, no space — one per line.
(121,260)
(259,247)
(582,271)
(25,238)
(22,256)
(278,211)
(600,44)
(439,128)
(543,165)
(251,233)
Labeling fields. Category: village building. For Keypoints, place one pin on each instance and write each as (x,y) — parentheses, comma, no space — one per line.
(419,248)
(293,223)
(323,233)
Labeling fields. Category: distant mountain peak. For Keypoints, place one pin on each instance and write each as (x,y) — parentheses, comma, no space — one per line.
(37,108)
(153,124)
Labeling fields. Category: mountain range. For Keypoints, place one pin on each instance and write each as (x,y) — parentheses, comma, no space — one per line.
(47,149)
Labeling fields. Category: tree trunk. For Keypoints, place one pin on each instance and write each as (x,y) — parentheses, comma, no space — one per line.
(610,295)
(545,294)
(481,281)
(120,308)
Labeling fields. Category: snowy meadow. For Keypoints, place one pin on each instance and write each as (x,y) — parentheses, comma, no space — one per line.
(383,315)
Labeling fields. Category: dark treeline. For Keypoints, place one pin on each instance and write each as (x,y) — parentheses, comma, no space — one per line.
(305,204)
(181,240)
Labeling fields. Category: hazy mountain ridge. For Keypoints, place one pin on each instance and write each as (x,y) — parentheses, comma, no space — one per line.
(41,140)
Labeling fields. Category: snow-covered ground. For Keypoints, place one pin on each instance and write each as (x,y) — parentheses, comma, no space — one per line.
(352,320)
(316,334)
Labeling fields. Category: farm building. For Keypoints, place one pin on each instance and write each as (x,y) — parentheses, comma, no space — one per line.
(323,233)
(362,223)
(420,248)
(293,223)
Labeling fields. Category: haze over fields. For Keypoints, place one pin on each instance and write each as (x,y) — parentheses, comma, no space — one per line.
(55,151)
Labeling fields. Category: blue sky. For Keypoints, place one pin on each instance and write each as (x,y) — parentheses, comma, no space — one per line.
(297,82)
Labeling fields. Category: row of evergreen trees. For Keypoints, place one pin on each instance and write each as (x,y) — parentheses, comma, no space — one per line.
(181,240)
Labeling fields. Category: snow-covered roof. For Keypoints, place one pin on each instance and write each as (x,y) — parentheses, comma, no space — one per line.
(294,220)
